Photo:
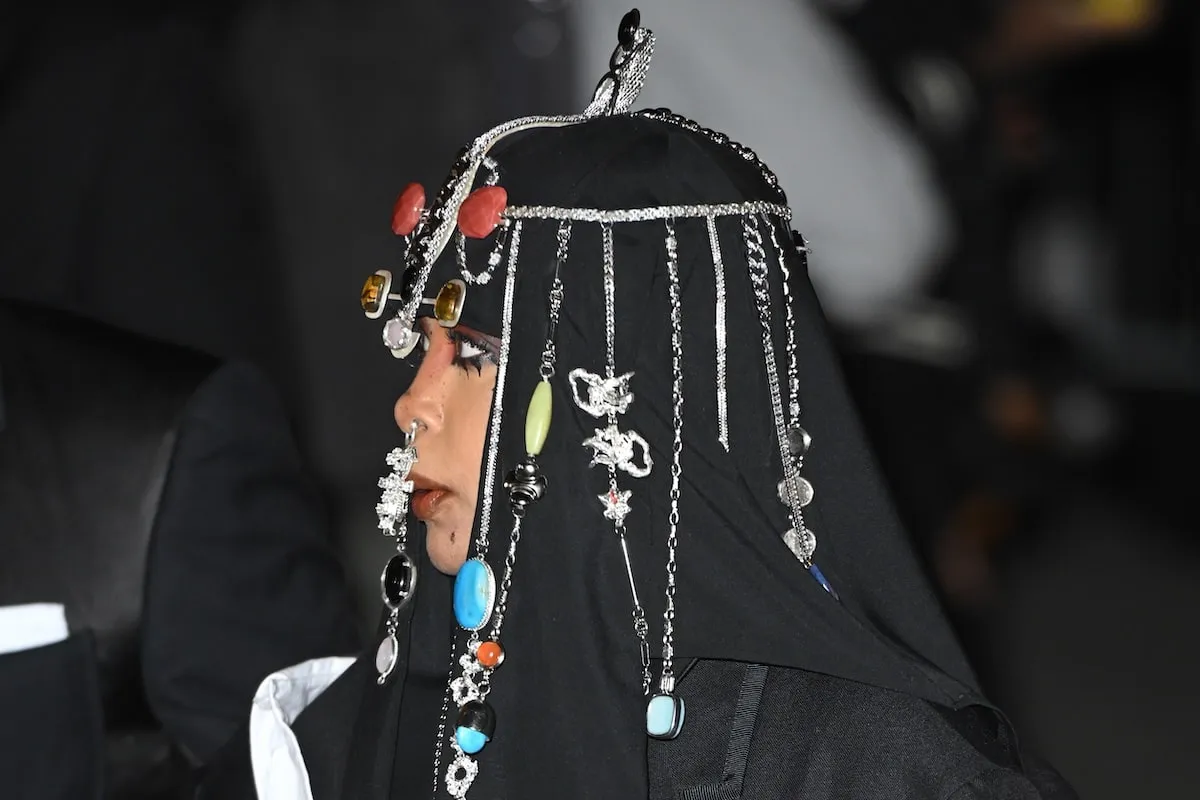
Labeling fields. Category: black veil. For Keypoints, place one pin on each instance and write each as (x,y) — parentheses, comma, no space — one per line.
(568,698)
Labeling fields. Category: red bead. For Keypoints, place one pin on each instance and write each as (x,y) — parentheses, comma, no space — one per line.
(489,654)
(480,212)
(407,211)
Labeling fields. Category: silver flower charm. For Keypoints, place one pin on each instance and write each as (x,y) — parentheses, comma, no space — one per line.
(616,505)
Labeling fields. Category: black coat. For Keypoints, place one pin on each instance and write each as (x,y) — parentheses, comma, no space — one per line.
(752,732)
(159,497)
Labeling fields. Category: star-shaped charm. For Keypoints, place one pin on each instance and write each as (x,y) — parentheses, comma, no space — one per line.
(616,505)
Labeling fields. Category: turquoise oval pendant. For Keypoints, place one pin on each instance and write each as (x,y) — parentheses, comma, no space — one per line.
(474,594)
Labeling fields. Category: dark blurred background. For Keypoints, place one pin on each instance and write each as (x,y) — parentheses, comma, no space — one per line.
(220,175)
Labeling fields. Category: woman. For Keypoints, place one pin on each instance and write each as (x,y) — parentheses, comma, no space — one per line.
(617,347)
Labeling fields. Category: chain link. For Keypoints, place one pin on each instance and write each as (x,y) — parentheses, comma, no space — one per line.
(793,370)
(443,717)
(550,353)
(668,675)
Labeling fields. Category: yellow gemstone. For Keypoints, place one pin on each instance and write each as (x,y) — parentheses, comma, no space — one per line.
(372,298)
(537,419)
(449,304)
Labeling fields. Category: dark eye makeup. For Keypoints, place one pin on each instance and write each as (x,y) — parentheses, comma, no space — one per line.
(470,350)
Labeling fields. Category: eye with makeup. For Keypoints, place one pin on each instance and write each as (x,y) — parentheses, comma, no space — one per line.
(470,349)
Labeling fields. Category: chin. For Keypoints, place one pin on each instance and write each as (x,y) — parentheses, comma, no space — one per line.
(447,557)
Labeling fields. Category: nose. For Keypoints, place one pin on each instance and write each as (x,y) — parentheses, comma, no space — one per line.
(424,402)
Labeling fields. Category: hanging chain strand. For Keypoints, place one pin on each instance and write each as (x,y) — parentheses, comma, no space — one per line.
(667,685)
(757,261)
(489,476)
(714,244)
(550,353)
(442,718)
(793,370)
(641,628)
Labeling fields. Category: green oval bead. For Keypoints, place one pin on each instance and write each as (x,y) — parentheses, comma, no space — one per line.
(537,419)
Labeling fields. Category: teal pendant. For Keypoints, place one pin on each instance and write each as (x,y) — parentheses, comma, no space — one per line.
(474,594)
(664,716)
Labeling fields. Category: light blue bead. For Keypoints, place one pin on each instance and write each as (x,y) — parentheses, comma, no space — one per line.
(474,594)
(664,716)
(470,740)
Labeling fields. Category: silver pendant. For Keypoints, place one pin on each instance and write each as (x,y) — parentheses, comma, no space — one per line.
(616,505)
(616,448)
(385,657)
(799,441)
(605,396)
(802,544)
(804,489)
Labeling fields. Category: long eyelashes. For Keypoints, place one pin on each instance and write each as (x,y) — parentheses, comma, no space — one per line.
(468,351)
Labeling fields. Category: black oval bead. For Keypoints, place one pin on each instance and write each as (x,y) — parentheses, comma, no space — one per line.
(398,580)
(478,716)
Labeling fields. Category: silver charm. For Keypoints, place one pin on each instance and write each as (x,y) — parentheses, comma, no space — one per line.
(385,657)
(616,505)
(805,492)
(799,441)
(461,774)
(605,396)
(802,544)
(616,448)
(463,690)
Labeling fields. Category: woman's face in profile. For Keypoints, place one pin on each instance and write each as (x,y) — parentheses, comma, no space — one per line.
(451,396)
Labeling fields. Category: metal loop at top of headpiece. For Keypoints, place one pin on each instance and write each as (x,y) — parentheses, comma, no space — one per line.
(627,68)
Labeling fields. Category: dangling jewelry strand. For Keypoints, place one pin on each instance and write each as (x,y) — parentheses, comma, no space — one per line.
(398,582)
(475,584)
(607,397)
(714,244)
(665,711)
(799,538)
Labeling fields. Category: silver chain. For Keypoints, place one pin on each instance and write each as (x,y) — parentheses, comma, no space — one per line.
(668,675)
(445,714)
(720,139)
(757,261)
(550,353)
(641,628)
(714,244)
(793,371)
(510,561)
(489,477)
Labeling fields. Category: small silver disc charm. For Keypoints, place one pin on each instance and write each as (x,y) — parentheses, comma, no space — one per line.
(802,544)
(805,488)
(798,441)
(385,656)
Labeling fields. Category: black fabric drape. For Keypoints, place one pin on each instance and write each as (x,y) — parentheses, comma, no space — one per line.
(568,697)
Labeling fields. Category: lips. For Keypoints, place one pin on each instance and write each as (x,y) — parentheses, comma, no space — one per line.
(426,497)
(425,502)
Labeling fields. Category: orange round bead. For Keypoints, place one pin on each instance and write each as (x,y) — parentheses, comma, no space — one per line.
(490,654)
